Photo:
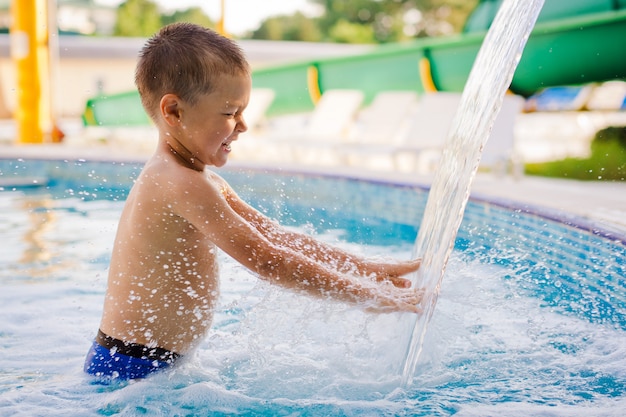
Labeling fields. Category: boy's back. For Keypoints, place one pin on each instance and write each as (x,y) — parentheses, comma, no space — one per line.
(163,273)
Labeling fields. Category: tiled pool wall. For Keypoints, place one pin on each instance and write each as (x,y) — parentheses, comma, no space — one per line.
(563,261)
(577,269)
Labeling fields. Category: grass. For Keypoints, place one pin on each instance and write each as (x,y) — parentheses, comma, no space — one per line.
(606,163)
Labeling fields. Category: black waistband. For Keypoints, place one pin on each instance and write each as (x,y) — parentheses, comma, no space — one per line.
(136,350)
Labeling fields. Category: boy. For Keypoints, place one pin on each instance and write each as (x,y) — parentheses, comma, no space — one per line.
(163,278)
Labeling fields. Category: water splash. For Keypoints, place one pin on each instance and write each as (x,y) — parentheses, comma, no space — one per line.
(481,100)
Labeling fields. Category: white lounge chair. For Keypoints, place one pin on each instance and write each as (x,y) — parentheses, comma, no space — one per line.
(499,154)
(334,114)
(429,126)
(427,133)
(379,127)
(608,96)
(385,118)
(326,127)
(421,144)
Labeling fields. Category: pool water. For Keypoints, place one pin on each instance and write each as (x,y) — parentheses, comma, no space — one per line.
(531,319)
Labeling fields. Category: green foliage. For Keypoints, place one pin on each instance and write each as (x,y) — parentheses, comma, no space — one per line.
(608,135)
(138,18)
(345,21)
(337,13)
(142,18)
(395,20)
(271,29)
(442,17)
(607,160)
(191,15)
(370,21)
(296,27)
(348,32)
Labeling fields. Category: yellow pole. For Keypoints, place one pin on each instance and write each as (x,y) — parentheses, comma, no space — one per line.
(221,28)
(313,83)
(30,52)
(426,76)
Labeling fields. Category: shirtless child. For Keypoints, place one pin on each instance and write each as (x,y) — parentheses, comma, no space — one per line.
(163,278)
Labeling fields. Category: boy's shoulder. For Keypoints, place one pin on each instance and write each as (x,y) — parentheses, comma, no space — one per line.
(164,173)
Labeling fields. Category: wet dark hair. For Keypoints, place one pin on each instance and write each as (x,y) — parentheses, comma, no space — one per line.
(185,59)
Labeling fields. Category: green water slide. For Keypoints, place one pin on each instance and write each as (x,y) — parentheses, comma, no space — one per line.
(573,42)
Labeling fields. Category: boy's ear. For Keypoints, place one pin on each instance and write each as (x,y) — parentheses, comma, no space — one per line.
(170,109)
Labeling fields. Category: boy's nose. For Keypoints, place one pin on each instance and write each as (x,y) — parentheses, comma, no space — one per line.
(242,126)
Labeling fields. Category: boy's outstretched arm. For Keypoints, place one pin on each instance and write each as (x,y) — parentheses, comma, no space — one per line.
(233,233)
(294,270)
(343,261)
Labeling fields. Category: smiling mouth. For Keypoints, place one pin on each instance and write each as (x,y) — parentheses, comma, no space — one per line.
(226,146)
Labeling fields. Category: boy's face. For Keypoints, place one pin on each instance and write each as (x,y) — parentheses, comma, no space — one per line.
(216,120)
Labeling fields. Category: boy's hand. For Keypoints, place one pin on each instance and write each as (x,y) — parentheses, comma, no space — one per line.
(393,293)
(393,272)
(388,298)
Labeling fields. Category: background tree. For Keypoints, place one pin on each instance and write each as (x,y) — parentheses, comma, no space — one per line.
(191,15)
(139,18)
(395,20)
(142,18)
(373,21)
(441,17)
(348,32)
(343,20)
(296,27)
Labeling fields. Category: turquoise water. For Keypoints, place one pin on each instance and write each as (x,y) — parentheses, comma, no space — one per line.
(531,318)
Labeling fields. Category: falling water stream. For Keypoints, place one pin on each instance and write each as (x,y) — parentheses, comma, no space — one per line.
(482,98)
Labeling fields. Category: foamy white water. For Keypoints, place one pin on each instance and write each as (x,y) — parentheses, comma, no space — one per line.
(481,100)
(489,352)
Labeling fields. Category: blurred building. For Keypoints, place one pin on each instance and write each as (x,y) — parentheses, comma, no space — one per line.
(84,17)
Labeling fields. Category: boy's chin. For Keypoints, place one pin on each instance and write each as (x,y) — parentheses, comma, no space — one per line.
(220,163)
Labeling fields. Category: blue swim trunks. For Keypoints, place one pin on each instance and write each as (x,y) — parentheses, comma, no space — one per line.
(111,358)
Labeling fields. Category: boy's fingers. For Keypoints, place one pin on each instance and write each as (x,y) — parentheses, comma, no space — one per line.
(393,274)
(400,282)
(413,308)
(414,264)
(398,307)
(407,267)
